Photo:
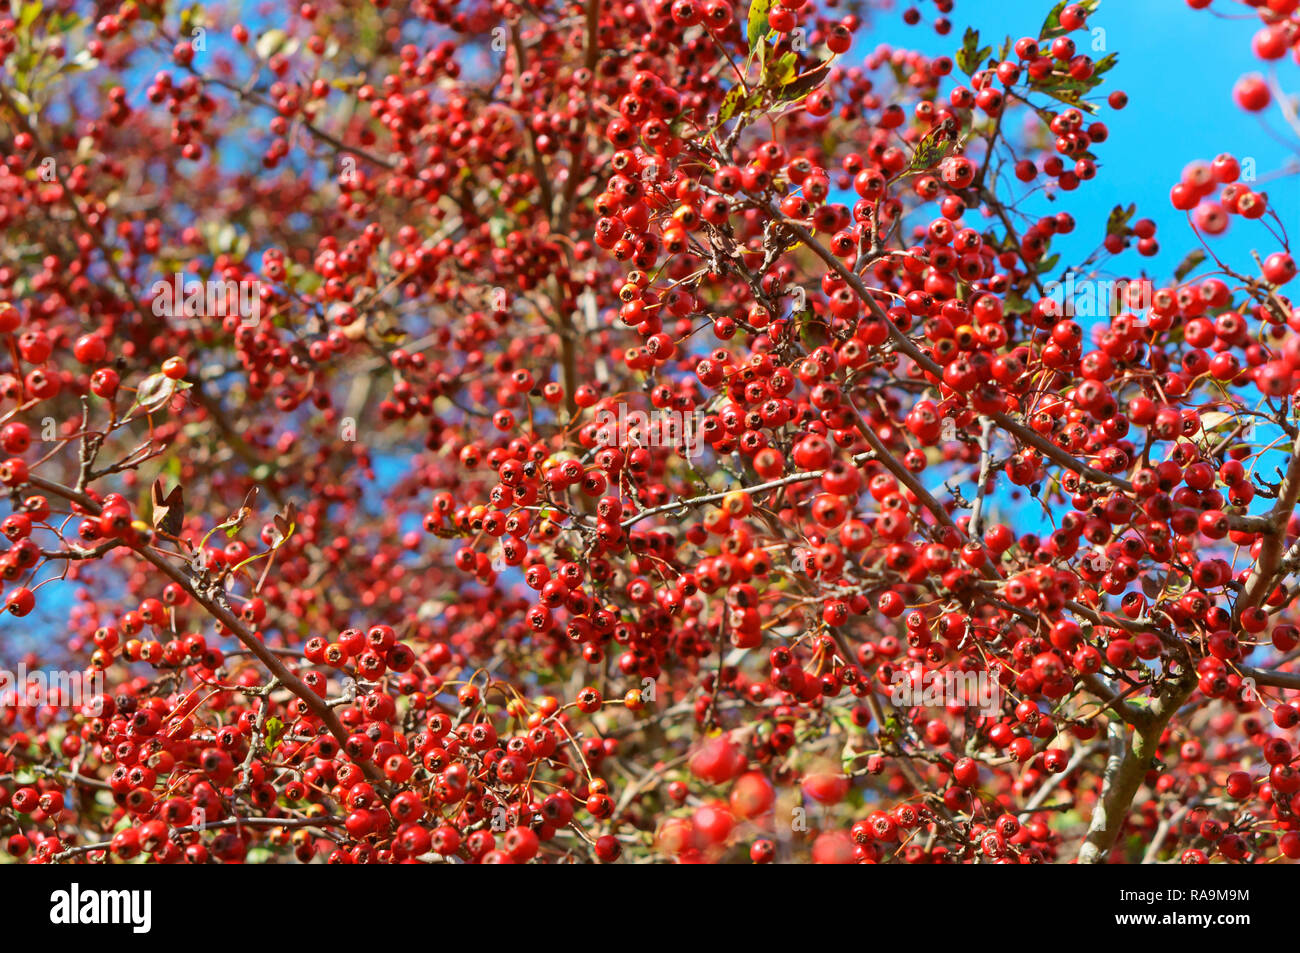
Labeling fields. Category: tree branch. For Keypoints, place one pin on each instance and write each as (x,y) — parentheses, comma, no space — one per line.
(1126,768)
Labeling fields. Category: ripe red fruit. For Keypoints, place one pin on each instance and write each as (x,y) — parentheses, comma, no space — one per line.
(1289,845)
(20,602)
(717,761)
(13,472)
(15,437)
(1279,268)
(174,367)
(752,795)
(713,824)
(832,847)
(608,848)
(1252,93)
(1270,43)
(966,772)
(104,383)
(826,787)
(90,349)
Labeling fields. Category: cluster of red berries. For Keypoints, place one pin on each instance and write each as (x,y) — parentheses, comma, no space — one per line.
(636,473)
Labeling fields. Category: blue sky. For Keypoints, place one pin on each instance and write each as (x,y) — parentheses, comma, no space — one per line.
(1178,67)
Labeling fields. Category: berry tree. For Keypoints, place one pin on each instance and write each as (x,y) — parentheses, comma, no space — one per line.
(592,430)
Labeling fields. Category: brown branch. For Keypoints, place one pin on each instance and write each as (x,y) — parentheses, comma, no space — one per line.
(1272,677)
(1262,579)
(1127,768)
(274,665)
(800,477)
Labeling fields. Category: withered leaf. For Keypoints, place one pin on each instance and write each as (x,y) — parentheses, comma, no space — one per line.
(285,522)
(168,509)
(156,391)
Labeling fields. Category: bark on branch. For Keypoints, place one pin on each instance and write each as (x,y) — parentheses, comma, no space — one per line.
(1127,766)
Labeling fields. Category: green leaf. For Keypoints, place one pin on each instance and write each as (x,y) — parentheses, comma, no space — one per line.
(1214,419)
(810,330)
(1189,264)
(737,100)
(756,22)
(847,757)
(932,147)
(1015,304)
(20,99)
(80,63)
(1047,264)
(58,22)
(29,12)
(970,42)
(275,729)
(1052,25)
(800,87)
(971,56)
(270,43)
(782,71)
(1105,64)
(348,82)
(1117,222)
(1070,92)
